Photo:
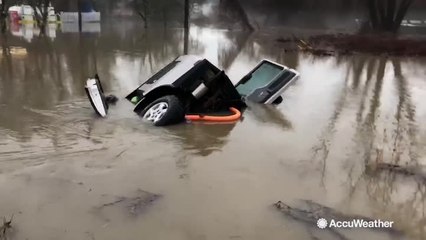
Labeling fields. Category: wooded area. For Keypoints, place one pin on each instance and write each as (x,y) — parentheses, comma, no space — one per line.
(377,15)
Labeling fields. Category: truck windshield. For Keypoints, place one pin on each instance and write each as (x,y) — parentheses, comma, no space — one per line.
(261,77)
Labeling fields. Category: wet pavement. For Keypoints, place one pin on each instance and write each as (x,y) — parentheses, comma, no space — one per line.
(59,162)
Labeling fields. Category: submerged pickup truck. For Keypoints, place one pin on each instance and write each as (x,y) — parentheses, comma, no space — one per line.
(191,84)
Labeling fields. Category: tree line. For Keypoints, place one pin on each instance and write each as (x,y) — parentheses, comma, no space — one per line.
(381,15)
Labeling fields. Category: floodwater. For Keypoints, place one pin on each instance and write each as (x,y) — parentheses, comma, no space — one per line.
(62,169)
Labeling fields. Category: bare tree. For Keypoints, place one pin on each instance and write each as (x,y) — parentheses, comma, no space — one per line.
(387,15)
(41,12)
(3,15)
(142,9)
(235,7)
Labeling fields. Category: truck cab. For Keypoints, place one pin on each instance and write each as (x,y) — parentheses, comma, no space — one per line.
(191,84)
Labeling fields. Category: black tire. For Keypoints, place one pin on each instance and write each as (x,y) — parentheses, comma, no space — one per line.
(174,114)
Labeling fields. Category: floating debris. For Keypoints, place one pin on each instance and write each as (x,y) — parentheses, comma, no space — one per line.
(14,52)
(6,226)
(418,172)
(344,44)
(133,206)
(18,51)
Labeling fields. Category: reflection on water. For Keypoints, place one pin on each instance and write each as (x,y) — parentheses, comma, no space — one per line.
(201,138)
(58,159)
(29,31)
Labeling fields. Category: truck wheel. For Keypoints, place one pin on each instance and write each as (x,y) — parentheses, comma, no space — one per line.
(164,111)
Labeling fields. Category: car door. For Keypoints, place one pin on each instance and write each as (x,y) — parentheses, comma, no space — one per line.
(96,95)
(266,82)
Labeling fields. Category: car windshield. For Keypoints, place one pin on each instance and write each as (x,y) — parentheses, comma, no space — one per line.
(261,77)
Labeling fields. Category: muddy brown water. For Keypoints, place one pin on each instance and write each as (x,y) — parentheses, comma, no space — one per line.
(60,164)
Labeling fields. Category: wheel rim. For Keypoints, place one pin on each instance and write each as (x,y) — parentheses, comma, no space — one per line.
(156,112)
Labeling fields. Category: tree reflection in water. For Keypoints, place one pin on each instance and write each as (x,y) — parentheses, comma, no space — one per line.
(380,138)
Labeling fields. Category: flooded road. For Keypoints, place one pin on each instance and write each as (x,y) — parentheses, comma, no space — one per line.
(62,169)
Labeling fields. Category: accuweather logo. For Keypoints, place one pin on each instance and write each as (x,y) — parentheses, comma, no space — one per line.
(322,223)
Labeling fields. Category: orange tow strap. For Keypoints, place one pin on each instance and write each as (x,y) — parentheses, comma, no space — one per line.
(209,118)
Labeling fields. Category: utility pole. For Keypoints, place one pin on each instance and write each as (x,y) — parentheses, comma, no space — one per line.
(80,24)
(186,28)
